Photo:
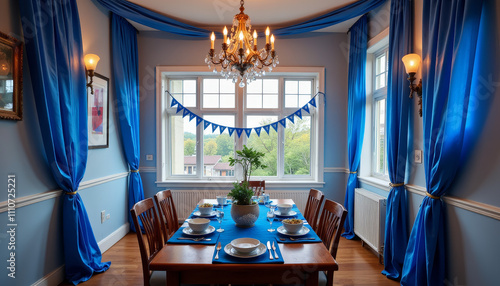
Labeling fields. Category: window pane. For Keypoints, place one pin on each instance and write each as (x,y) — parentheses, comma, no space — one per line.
(210,100)
(255,86)
(184,91)
(270,100)
(380,136)
(210,85)
(298,147)
(291,86)
(218,93)
(227,100)
(254,100)
(380,81)
(297,92)
(217,148)
(189,86)
(268,144)
(380,65)
(270,86)
(255,96)
(183,145)
(305,87)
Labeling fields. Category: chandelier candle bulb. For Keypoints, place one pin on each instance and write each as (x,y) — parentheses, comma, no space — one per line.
(272,42)
(225,35)
(267,35)
(212,38)
(254,40)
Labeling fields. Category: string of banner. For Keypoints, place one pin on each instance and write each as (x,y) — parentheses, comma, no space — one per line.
(248,131)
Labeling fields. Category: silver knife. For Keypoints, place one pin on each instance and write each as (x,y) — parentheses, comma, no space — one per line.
(269,247)
(275,253)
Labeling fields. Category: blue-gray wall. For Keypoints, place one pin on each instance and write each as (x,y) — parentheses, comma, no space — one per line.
(327,50)
(472,239)
(39,249)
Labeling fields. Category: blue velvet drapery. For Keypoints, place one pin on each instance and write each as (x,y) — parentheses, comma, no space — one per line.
(449,42)
(355,114)
(161,22)
(126,78)
(55,57)
(398,115)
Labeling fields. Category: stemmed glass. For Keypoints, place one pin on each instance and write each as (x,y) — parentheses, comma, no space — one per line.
(270,218)
(220,216)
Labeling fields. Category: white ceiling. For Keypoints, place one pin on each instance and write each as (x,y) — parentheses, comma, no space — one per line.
(217,13)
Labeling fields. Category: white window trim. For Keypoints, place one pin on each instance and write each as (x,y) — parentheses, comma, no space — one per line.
(317,155)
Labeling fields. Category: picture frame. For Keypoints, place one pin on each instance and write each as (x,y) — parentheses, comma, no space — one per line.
(98,113)
(11,78)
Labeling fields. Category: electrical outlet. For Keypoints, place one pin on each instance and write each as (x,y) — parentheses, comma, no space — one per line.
(418,156)
(103,216)
(108,216)
(149,157)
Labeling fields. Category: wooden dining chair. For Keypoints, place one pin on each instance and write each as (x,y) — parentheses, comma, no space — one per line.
(151,242)
(168,214)
(257,187)
(313,206)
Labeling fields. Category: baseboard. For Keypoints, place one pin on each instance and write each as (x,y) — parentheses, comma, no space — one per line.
(56,277)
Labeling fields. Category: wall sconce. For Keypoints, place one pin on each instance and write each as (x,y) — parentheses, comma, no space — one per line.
(412,63)
(91,61)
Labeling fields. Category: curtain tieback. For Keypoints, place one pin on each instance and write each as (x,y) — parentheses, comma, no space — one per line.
(352,172)
(72,193)
(432,196)
(396,185)
(134,171)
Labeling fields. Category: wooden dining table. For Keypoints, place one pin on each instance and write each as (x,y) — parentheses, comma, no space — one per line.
(192,264)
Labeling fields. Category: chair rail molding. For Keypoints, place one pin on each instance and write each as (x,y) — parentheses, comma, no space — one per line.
(335,170)
(40,197)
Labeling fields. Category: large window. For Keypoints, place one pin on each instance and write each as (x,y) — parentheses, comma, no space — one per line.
(379,105)
(191,152)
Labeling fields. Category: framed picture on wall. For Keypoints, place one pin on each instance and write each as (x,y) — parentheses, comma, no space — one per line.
(11,78)
(98,113)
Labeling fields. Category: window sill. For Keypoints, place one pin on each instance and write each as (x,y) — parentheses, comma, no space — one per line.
(375,182)
(205,184)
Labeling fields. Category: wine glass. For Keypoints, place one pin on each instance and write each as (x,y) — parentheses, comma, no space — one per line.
(220,216)
(270,218)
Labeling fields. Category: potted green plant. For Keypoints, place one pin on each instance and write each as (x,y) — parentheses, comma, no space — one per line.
(244,212)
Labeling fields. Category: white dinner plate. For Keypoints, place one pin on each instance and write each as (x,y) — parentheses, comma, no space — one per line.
(303,231)
(212,214)
(290,213)
(261,249)
(189,231)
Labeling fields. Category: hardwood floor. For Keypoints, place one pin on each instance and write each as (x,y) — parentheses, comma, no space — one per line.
(357,265)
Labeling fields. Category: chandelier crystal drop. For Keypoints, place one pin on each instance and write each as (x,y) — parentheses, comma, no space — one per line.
(239,57)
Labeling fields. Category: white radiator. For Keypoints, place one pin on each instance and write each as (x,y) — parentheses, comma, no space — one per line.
(186,200)
(369,218)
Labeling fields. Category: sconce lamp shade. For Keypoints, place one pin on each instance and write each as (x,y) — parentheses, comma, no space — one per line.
(412,63)
(91,61)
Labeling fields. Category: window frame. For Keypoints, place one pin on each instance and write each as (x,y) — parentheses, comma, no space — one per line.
(240,112)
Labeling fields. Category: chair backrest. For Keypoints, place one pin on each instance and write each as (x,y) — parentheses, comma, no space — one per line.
(257,186)
(330,225)
(313,206)
(168,214)
(146,213)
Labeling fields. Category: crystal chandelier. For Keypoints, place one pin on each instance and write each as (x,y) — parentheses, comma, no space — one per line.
(239,57)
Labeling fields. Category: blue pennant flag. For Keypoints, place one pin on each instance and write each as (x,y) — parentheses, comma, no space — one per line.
(291,118)
(239,131)
(179,108)
(266,128)
(230,130)
(174,102)
(306,108)
(198,120)
(275,126)
(283,122)
(313,101)
(206,124)
(191,116)
(214,127)
(298,113)
(248,131)
(222,128)
(185,113)
(257,130)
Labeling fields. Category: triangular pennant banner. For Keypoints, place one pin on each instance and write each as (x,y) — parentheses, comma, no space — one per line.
(313,101)
(230,130)
(214,127)
(198,120)
(222,128)
(185,112)
(306,108)
(298,113)
(291,118)
(239,131)
(257,130)
(206,124)
(179,108)
(266,128)
(275,126)
(174,102)
(248,131)
(192,116)
(283,122)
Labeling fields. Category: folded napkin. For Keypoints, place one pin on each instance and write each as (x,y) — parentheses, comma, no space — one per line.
(214,236)
(261,259)
(310,234)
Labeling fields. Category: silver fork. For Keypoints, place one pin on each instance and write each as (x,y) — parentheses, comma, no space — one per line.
(219,247)
(194,239)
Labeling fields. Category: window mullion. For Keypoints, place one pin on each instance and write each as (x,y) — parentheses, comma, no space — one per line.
(199,132)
